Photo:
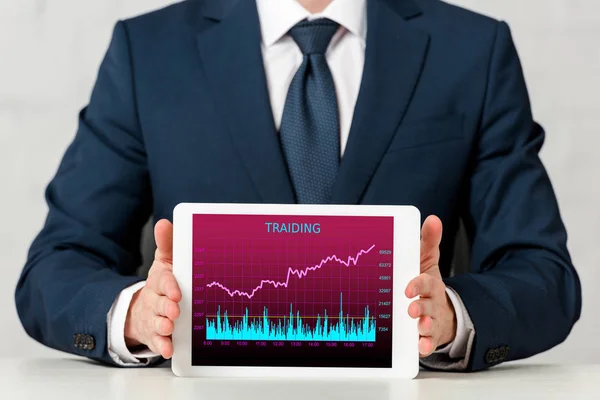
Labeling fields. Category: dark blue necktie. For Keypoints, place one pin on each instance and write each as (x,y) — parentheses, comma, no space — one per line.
(310,128)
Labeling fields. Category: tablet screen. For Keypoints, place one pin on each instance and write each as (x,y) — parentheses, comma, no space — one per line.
(292,291)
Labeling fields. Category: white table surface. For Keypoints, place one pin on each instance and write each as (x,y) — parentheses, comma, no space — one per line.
(72,378)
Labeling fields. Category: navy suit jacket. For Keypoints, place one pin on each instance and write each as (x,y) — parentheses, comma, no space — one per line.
(180,113)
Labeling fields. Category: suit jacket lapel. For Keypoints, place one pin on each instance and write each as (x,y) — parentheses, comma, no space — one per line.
(233,65)
(394,58)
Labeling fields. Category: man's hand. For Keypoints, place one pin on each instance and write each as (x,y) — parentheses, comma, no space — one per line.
(154,309)
(437,319)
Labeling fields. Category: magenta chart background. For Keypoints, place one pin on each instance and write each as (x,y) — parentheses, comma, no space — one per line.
(239,251)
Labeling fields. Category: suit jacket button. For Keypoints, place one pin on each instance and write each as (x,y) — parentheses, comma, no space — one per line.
(84,342)
(77,340)
(88,342)
(490,356)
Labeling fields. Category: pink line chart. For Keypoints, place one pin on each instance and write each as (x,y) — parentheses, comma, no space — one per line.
(290,272)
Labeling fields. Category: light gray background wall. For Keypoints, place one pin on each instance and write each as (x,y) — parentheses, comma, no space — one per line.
(50,52)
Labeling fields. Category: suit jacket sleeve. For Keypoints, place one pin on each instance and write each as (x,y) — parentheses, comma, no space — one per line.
(88,249)
(523,293)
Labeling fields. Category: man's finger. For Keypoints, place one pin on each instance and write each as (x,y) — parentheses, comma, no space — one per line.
(426,346)
(163,235)
(163,326)
(154,345)
(162,345)
(423,285)
(166,307)
(431,237)
(425,326)
(167,286)
(167,349)
(422,307)
(164,283)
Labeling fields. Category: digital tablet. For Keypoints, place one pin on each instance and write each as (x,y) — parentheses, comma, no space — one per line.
(295,290)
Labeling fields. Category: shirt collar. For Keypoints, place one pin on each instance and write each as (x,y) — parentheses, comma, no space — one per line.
(277,17)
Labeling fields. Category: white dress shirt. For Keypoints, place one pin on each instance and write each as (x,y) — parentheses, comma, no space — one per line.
(282,58)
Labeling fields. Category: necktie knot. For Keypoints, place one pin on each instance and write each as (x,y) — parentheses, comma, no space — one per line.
(313,37)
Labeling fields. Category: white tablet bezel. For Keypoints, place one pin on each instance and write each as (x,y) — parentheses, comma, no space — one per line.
(406,256)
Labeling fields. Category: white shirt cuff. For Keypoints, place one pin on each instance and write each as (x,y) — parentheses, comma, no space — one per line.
(458,347)
(115,320)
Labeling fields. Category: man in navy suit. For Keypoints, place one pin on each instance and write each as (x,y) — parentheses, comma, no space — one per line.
(306,101)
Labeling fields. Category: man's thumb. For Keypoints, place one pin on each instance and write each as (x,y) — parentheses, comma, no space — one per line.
(431,234)
(163,235)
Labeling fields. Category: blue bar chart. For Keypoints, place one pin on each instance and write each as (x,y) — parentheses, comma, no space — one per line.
(341,328)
